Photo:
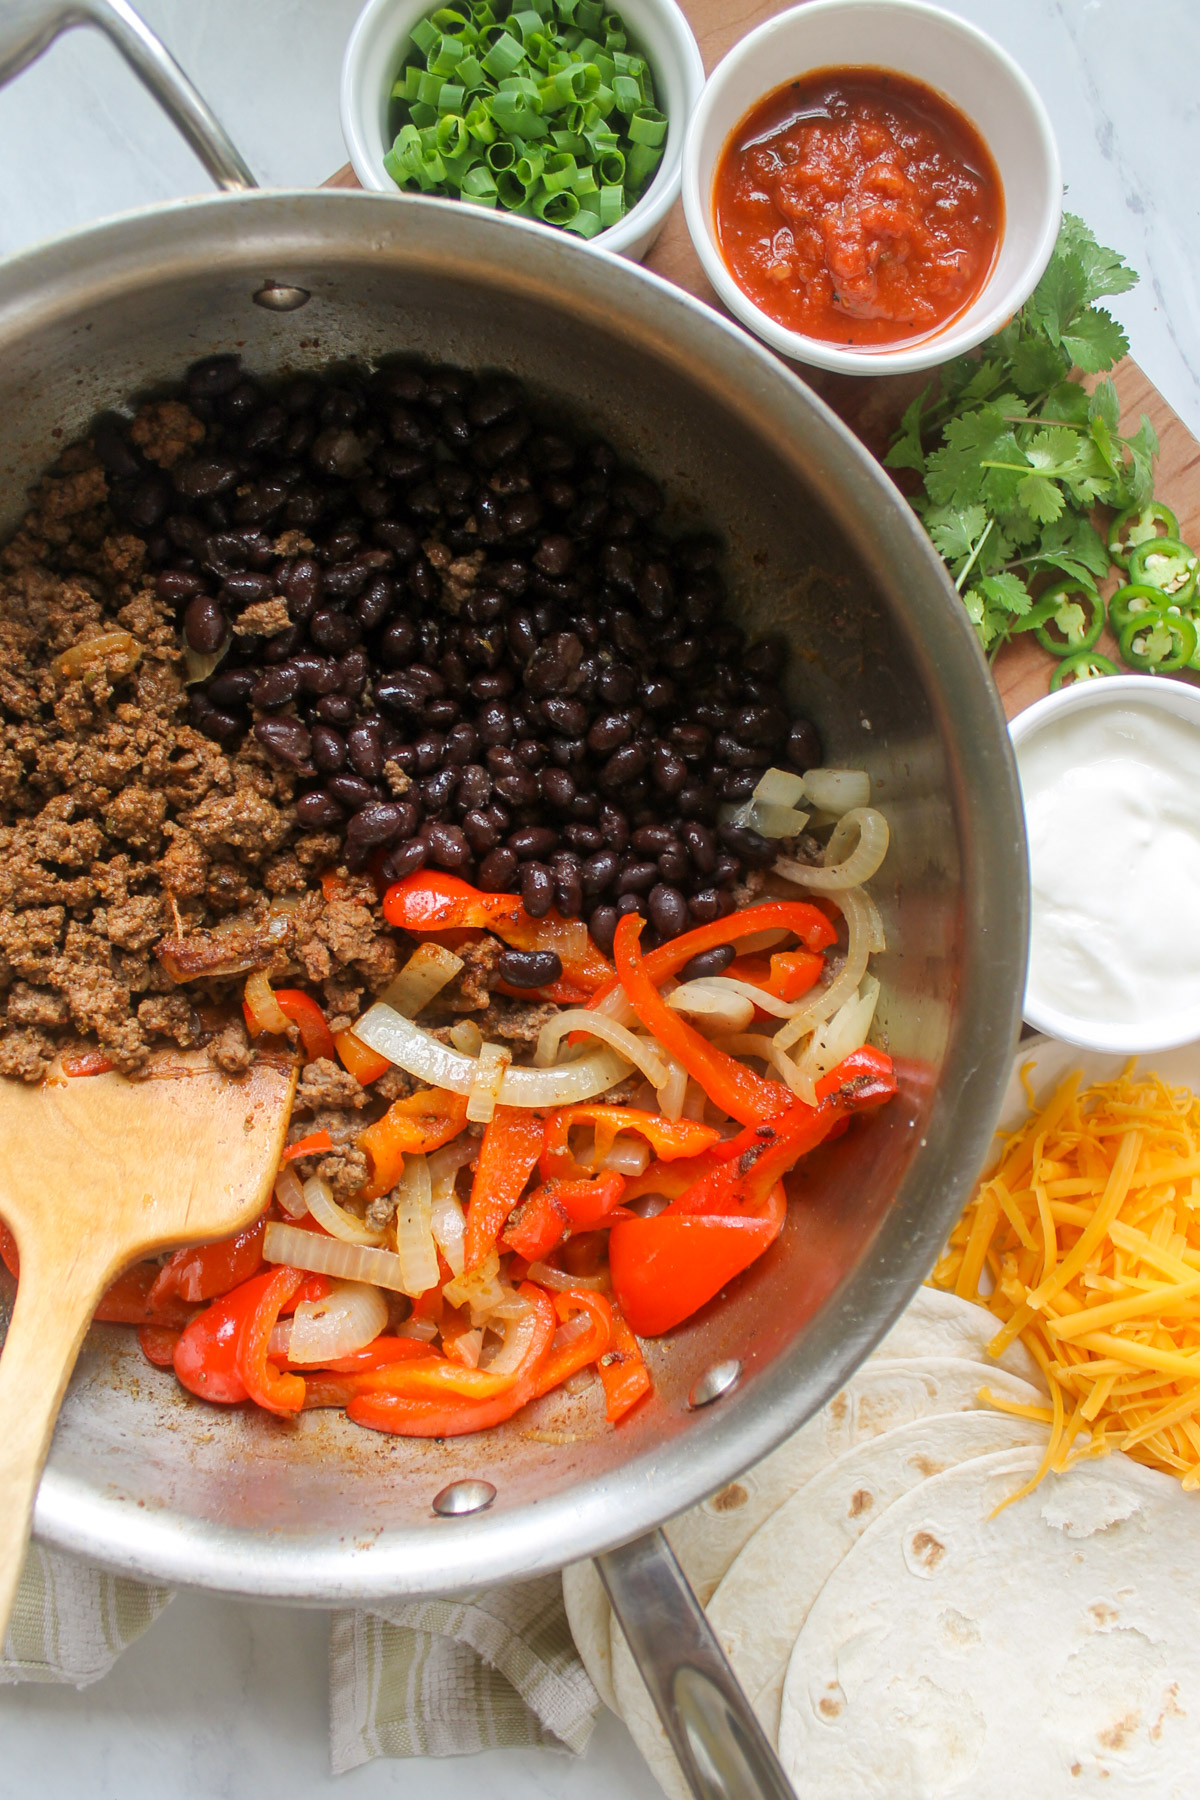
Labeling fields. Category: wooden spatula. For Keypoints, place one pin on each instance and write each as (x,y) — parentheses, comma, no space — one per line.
(95,1173)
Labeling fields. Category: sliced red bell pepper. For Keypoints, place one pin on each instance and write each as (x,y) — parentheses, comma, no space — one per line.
(865,1079)
(366,1065)
(207,1270)
(432,1377)
(666,1268)
(433,901)
(260,1302)
(668,1138)
(579,1351)
(800,917)
(512,1143)
(559,1206)
(788,975)
(377,1355)
(312,1145)
(582,974)
(128,1302)
(206,1354)
(158,1344)
(309,1020)
(413,1126)
(623,1371)
(453,1416)
(86,1062)
(740,1184)
(729,1083)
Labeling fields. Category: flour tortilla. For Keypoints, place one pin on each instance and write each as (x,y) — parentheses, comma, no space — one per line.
(762,1602)
(879,1397)
(1050,1651)
(588,1614)
(939,1324)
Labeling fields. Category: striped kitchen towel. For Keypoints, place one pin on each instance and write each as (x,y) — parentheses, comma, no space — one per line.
(482,1671)
(415,1678)
(71,1621)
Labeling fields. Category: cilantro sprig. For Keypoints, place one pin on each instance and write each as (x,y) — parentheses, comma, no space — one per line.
(1014,454)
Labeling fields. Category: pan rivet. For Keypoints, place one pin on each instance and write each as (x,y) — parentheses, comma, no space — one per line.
(714,1383)
(464,1497)
(277,296)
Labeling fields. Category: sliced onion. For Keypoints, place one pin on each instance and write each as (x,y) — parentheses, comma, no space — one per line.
(519,1333)
(837,1038)
(466,1348)
(414,1234)
(722,1008)
(413,1049)
(466,1036)
(201,663)
(491,1066)
(337,1221)
(694,1102)
(289,1191)
(577,1326)
(426,973)
(644,1053)
(844,866)
(837,791)
(260,998)
(776,821)
(480,1289)
(754,996)
(780,787)
(821,1003)
(302,1249)
(749,1043)
(628,1156)
(351,1315)
(447,1220)
(671,1094)
(560,1281)
(568,937)
(423,1330)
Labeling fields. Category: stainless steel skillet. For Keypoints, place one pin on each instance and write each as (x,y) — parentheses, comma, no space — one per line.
(819,545)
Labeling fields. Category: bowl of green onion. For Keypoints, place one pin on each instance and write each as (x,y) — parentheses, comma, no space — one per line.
(563,112)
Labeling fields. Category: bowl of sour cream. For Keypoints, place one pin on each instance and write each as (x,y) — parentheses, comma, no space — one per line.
(1110,776)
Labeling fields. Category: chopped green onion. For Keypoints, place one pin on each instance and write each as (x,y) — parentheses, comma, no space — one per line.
(540,107)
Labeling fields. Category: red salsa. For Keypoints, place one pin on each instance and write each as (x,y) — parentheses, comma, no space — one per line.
(859,207)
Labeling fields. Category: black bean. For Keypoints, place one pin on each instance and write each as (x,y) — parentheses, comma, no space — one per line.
(668,910)
(437,791)
(623,766)
(475,786)
(281,645)
(398,537)
(176,585)
(599,872)
(232,687)
(583,838)
(728,868)
(483,834)
(568,894)
(448,848)
(276,687)
(303,588)
(333,632)
(704,906)
(637,877)
(602,925)
(222,727)
(651,840)
(334,709)
(737,784)
(632,903)
(287,740)
(608,732)
(497,872)
(318,675)
(328,749)
(318,811)
(529,968)
(375,605)
(399,642)
(537,889)
(405,859)
(674,863)
(495,723)
(615,826)
(495,686)
(351,791)
(697,801)
(521,788)
(803,749)
(707,963)
(204,477)
(113,447)
(555,554)
(569,716)
(759,724)
(204,625)
(617,684)
(701,846)
(429,747)
(558,787)
(535,841)
(381,822)
(668,771)
(243,586)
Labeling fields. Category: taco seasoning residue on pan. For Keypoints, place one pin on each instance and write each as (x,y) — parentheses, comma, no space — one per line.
(859,207)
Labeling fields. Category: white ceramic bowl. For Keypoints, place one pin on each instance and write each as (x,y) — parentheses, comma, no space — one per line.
(1118,1037)
(972,72)
(374,55)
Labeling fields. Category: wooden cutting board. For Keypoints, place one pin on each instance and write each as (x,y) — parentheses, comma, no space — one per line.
(872,407)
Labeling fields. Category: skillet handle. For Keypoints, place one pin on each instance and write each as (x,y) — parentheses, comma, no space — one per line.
(720,1745)
(29,27)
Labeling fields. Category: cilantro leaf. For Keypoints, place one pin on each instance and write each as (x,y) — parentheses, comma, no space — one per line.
(907,451)
(1104,404)
(1037,365)
(955,531)
(1074,539)
(1041,498)
(1142,448)
(1094,340)
(1105,271)
(1059,295)
(1008,592)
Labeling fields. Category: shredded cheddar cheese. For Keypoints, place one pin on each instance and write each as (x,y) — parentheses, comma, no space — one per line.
(1089,1233)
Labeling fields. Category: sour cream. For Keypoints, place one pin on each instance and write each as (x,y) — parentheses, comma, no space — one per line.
(1112,811)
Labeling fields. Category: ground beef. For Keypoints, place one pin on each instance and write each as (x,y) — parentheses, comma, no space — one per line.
(144,869)
(324,1084)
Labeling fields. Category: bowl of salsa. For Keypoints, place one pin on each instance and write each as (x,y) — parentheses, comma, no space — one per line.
(872,186)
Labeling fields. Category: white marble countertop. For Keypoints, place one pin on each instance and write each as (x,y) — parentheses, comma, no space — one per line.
(225,1699)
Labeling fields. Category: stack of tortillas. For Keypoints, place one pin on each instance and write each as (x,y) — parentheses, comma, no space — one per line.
(901,1640)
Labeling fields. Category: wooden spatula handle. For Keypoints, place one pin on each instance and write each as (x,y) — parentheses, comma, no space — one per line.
(54,1305)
